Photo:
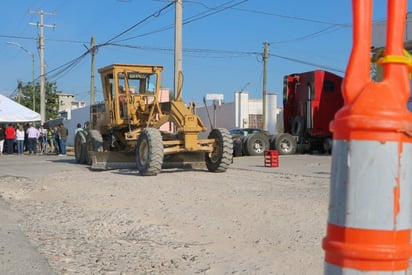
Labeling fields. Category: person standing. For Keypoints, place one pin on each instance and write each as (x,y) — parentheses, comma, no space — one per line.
(26,140)
(10,137)
(2,137)
(86,126)
(56,139)
(32,136)
(50,138)
(63,132)
(20,139)
(79,128)
(43,139)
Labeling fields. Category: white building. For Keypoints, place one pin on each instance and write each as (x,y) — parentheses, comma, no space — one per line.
(67,103)
(242,113)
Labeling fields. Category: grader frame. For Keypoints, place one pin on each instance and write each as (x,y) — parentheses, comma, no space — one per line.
(134,128)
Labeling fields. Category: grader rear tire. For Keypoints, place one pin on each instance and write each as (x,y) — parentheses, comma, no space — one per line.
(80,148)
(222,155)
(149,152)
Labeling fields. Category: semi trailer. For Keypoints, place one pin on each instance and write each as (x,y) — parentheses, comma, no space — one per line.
(310,102)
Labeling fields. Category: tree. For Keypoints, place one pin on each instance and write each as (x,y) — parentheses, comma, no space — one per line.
(27,92)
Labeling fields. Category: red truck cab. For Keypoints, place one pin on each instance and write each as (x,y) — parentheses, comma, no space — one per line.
(310,102)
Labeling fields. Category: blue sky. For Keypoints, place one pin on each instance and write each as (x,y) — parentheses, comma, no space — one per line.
(222,41)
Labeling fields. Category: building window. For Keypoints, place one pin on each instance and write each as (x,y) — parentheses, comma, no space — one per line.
(255,121)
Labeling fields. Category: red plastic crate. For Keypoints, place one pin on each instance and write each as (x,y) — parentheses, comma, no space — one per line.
(271,158)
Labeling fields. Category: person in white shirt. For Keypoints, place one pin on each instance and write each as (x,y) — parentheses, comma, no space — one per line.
(2,137)
(32,136)
(20,140)
(43,139)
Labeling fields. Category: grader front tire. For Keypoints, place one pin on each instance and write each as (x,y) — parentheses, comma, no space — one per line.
(149,152)
(80,147)
(94,143)
(222,155)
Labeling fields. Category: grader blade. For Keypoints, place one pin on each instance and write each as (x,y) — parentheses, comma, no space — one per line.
(194,160)
(112,160)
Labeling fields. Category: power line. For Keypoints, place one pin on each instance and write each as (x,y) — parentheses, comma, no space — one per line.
(213,11)
(70,65)
(155,14)
(65,68)
(200,53)
(294,17)
(308,36)
(67,41)
(18,37)
(224,53)
(194,52)
(309,63)
(201,15)
(48,40)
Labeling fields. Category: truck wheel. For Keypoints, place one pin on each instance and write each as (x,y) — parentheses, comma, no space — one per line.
(297,126)
(286,144)
(256,144)
(237,147)
(80,148)
(222,155)
(244,146)
(94,143)
(149,152)
(327,145)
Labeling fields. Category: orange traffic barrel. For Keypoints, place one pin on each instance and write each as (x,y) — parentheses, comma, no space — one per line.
(370,220)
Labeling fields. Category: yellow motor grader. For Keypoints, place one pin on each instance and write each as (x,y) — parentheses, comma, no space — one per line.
(133,129)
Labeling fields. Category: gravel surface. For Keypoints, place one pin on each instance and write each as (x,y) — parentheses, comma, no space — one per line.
(250,220)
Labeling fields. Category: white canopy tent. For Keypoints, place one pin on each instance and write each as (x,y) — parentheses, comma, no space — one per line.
(11,111)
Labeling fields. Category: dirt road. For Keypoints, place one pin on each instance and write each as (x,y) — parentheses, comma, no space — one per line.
(249,220)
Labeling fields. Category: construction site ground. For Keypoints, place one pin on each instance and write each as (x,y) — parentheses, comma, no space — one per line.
(251,219)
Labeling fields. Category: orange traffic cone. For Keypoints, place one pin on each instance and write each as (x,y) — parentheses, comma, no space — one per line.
(370,219)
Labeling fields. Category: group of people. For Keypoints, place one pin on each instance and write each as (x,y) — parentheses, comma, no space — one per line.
(20,139)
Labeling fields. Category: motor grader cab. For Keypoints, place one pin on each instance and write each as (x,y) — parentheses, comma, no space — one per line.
(134,129)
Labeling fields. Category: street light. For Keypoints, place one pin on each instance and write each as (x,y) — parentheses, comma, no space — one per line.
(32,70)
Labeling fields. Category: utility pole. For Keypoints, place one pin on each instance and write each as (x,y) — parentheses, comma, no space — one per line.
(33,86)
(41,25)
(265,59)
(93,51)
(178,48)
